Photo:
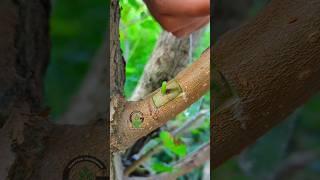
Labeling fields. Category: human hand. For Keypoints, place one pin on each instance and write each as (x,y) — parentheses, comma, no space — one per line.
(180,17)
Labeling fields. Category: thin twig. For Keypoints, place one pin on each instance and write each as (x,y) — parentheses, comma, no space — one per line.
(294,163)
(186,165)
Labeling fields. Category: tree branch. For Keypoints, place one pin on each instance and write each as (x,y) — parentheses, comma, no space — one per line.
(271,65)
(169,57)
(156,109)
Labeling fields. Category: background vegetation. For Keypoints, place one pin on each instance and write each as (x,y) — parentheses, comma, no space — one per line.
(78,29)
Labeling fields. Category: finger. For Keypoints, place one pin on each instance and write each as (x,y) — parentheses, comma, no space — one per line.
(192,28)
(189,8)
(172,24)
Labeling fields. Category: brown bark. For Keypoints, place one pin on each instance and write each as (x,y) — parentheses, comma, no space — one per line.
(271,66)
(68,142)
(24,54)
(228,14)
(117,80)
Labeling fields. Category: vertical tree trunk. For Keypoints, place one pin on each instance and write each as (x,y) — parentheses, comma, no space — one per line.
(117,79)
(24,55)
(31,146)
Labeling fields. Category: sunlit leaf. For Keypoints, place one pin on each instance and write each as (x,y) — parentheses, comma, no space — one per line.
(160,167)
(134,3)
(174,145)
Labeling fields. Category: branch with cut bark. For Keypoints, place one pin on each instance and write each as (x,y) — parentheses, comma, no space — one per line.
(265,70)
(157,108)
(168,58)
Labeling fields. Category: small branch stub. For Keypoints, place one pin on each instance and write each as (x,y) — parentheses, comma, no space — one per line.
(169,91)
(164,87)
(136,119)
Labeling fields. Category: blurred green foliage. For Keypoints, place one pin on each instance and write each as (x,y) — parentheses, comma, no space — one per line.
(173,144)
(138,35)
(78,29)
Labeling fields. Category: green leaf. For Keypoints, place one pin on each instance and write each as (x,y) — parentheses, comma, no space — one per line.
(136,122)
(160,167)
(134,3)
(166,138)
(174,145)
(148,24)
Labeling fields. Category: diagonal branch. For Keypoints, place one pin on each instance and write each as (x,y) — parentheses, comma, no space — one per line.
(271,65)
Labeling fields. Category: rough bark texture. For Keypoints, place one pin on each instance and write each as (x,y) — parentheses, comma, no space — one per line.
(272,66)
(117,80)
(24,54)
(117,63)
(32,147)
(228,14)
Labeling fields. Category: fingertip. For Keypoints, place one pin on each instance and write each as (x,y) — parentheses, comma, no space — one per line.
(180,34)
